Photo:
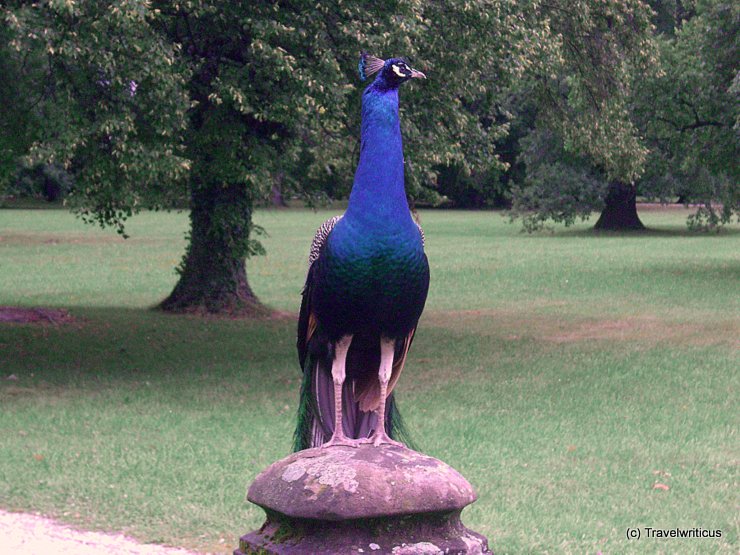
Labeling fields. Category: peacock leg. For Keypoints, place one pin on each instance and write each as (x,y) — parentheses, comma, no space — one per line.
(387,349)
(338,375)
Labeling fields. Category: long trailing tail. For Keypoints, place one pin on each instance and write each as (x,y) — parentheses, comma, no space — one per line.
(316,411)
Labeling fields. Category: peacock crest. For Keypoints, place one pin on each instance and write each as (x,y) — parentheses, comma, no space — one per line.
(369,65)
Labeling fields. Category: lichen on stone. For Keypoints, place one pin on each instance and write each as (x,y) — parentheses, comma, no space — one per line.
(334,475)
(474,545)
(332,472)
(421,548)
(293,471)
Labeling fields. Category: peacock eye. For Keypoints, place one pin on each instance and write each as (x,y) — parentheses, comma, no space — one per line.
(401,70)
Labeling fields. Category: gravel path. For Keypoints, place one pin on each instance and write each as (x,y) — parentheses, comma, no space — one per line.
(23,534)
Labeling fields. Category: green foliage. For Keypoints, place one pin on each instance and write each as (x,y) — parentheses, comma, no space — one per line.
(690,114)
(583,81)
(559,185)
(110,100)
(50,182)
(671,128)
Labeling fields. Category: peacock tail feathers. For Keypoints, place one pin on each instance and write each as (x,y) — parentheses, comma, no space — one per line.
(398,430)
(307,410)
(312,432)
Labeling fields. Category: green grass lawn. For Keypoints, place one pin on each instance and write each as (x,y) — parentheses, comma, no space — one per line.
(571,377)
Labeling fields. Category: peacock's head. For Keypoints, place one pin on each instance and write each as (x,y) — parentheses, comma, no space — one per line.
(393,72)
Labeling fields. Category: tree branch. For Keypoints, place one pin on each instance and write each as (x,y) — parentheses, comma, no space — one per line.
(696,125)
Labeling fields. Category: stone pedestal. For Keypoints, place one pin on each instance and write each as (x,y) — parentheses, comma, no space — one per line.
(377,500)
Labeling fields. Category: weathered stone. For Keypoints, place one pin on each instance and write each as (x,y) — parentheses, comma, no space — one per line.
(343,483)
(386,500)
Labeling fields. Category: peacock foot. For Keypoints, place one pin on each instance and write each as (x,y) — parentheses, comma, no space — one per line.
(338,440)
(381,438)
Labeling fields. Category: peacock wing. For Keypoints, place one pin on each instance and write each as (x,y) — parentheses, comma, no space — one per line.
(307,321)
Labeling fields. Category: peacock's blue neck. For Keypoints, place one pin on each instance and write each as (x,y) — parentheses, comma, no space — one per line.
(378,193)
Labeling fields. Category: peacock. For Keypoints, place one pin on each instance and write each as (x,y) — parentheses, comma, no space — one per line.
(366,286)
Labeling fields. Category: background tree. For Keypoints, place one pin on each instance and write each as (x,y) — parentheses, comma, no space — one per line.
(145,102)
(107,105)
(678,117)
(690,113)
(580,95)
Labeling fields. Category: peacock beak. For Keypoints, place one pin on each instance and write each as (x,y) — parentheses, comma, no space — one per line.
(415,74)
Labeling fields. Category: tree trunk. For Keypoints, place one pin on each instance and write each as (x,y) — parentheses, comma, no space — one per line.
(277,197)
(620,212)
(278,201)
(213,276)
(52,190)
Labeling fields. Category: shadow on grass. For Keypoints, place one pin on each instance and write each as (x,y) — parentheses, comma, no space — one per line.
(31,204)
(650,232)
(109,345)
(712,275)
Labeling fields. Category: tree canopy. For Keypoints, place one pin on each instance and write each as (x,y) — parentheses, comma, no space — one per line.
(690,113)
(106,99)
(678,115)
(151,103)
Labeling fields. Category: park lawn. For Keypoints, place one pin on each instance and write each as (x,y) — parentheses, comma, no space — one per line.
(584,383)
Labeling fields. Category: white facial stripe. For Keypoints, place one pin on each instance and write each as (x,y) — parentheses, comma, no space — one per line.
(398,71)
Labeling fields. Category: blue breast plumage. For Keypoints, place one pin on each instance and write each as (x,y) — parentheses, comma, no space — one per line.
(371,280)
(372,274)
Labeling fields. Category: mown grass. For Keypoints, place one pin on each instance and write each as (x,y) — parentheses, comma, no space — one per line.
(565,375)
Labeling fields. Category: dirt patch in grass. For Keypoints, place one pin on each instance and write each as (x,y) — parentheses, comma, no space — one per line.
(57,239)
(19,315)
(620,330)
(647,329)
(512,325)
(242,310)
(256,312)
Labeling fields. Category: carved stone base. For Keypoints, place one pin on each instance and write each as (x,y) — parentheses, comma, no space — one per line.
(386,500)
